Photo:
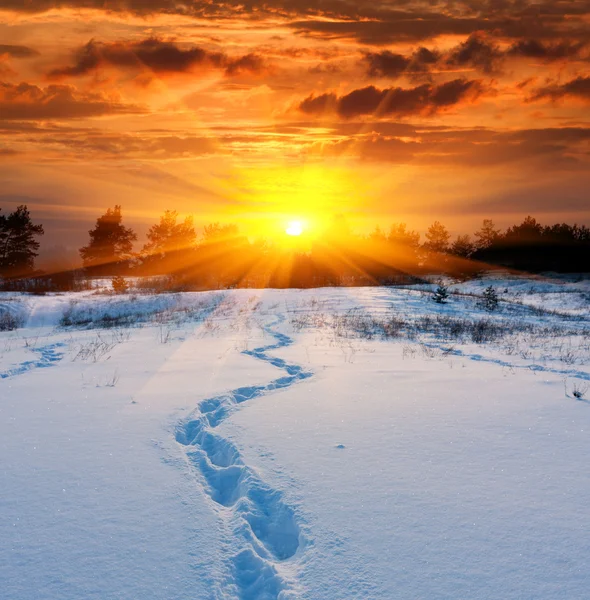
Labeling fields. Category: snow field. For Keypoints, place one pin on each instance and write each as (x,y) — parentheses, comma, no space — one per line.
(336,443)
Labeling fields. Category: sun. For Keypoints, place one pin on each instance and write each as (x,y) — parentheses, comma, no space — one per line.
(294,228)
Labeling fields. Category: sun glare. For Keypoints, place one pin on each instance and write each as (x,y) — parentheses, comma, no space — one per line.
(294,228)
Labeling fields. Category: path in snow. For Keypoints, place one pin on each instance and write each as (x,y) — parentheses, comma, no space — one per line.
(575,373)
(263,528)
(49,356)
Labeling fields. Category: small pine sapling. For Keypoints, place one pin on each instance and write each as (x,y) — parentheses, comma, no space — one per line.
(441,294)
(490,298)
(120,285)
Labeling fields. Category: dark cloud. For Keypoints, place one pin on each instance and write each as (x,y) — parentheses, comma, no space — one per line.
(134,6)
(25,101)
(411,21)
(250,63)
(200,8)
(366,20)
(385,32)
(157,55)
(423,99)
(18,51)
(392,65)
(576,88)
(386,64)
(423,58)
(453,92)
(371,22)
(477,52)
(532,48)
(314,105)
(368,100)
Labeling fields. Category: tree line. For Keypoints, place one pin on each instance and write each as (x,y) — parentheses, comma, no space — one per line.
(223,257)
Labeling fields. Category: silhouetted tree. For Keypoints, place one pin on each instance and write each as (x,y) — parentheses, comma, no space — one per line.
(437,238)
(216,232)
(529,231)
(531,246)
(487,234)
(463,246)
(18,246)
(399,234)
(377,235)
(563,233)
(222,259)
(169,235)
(111,242)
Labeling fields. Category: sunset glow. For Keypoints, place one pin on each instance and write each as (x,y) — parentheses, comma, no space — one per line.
(241,113)
(294,228)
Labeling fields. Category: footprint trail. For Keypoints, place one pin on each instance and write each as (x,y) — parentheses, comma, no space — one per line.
(263,529)
(48,356)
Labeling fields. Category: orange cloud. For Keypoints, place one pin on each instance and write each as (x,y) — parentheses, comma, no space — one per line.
(158,56)
(25,101)
(578,88)
(424,99)
(17,51)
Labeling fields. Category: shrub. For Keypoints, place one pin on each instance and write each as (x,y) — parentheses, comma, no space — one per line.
(65,281)
(579,390)
(485,331)
(9,321)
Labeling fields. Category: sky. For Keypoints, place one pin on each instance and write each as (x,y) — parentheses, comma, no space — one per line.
(258,113)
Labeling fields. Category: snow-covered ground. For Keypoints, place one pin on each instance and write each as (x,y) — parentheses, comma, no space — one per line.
(337,444)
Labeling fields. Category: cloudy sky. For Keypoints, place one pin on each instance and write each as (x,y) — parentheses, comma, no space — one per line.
(256,112)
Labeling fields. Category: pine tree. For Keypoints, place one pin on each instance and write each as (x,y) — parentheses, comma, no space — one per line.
(110,241)
(463,246)
(441,294)
(18,246)
(399,234)
(490,298)
(377,235)
(169,235)
(216,233)
(487,234)
(119,284)
(437,238)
